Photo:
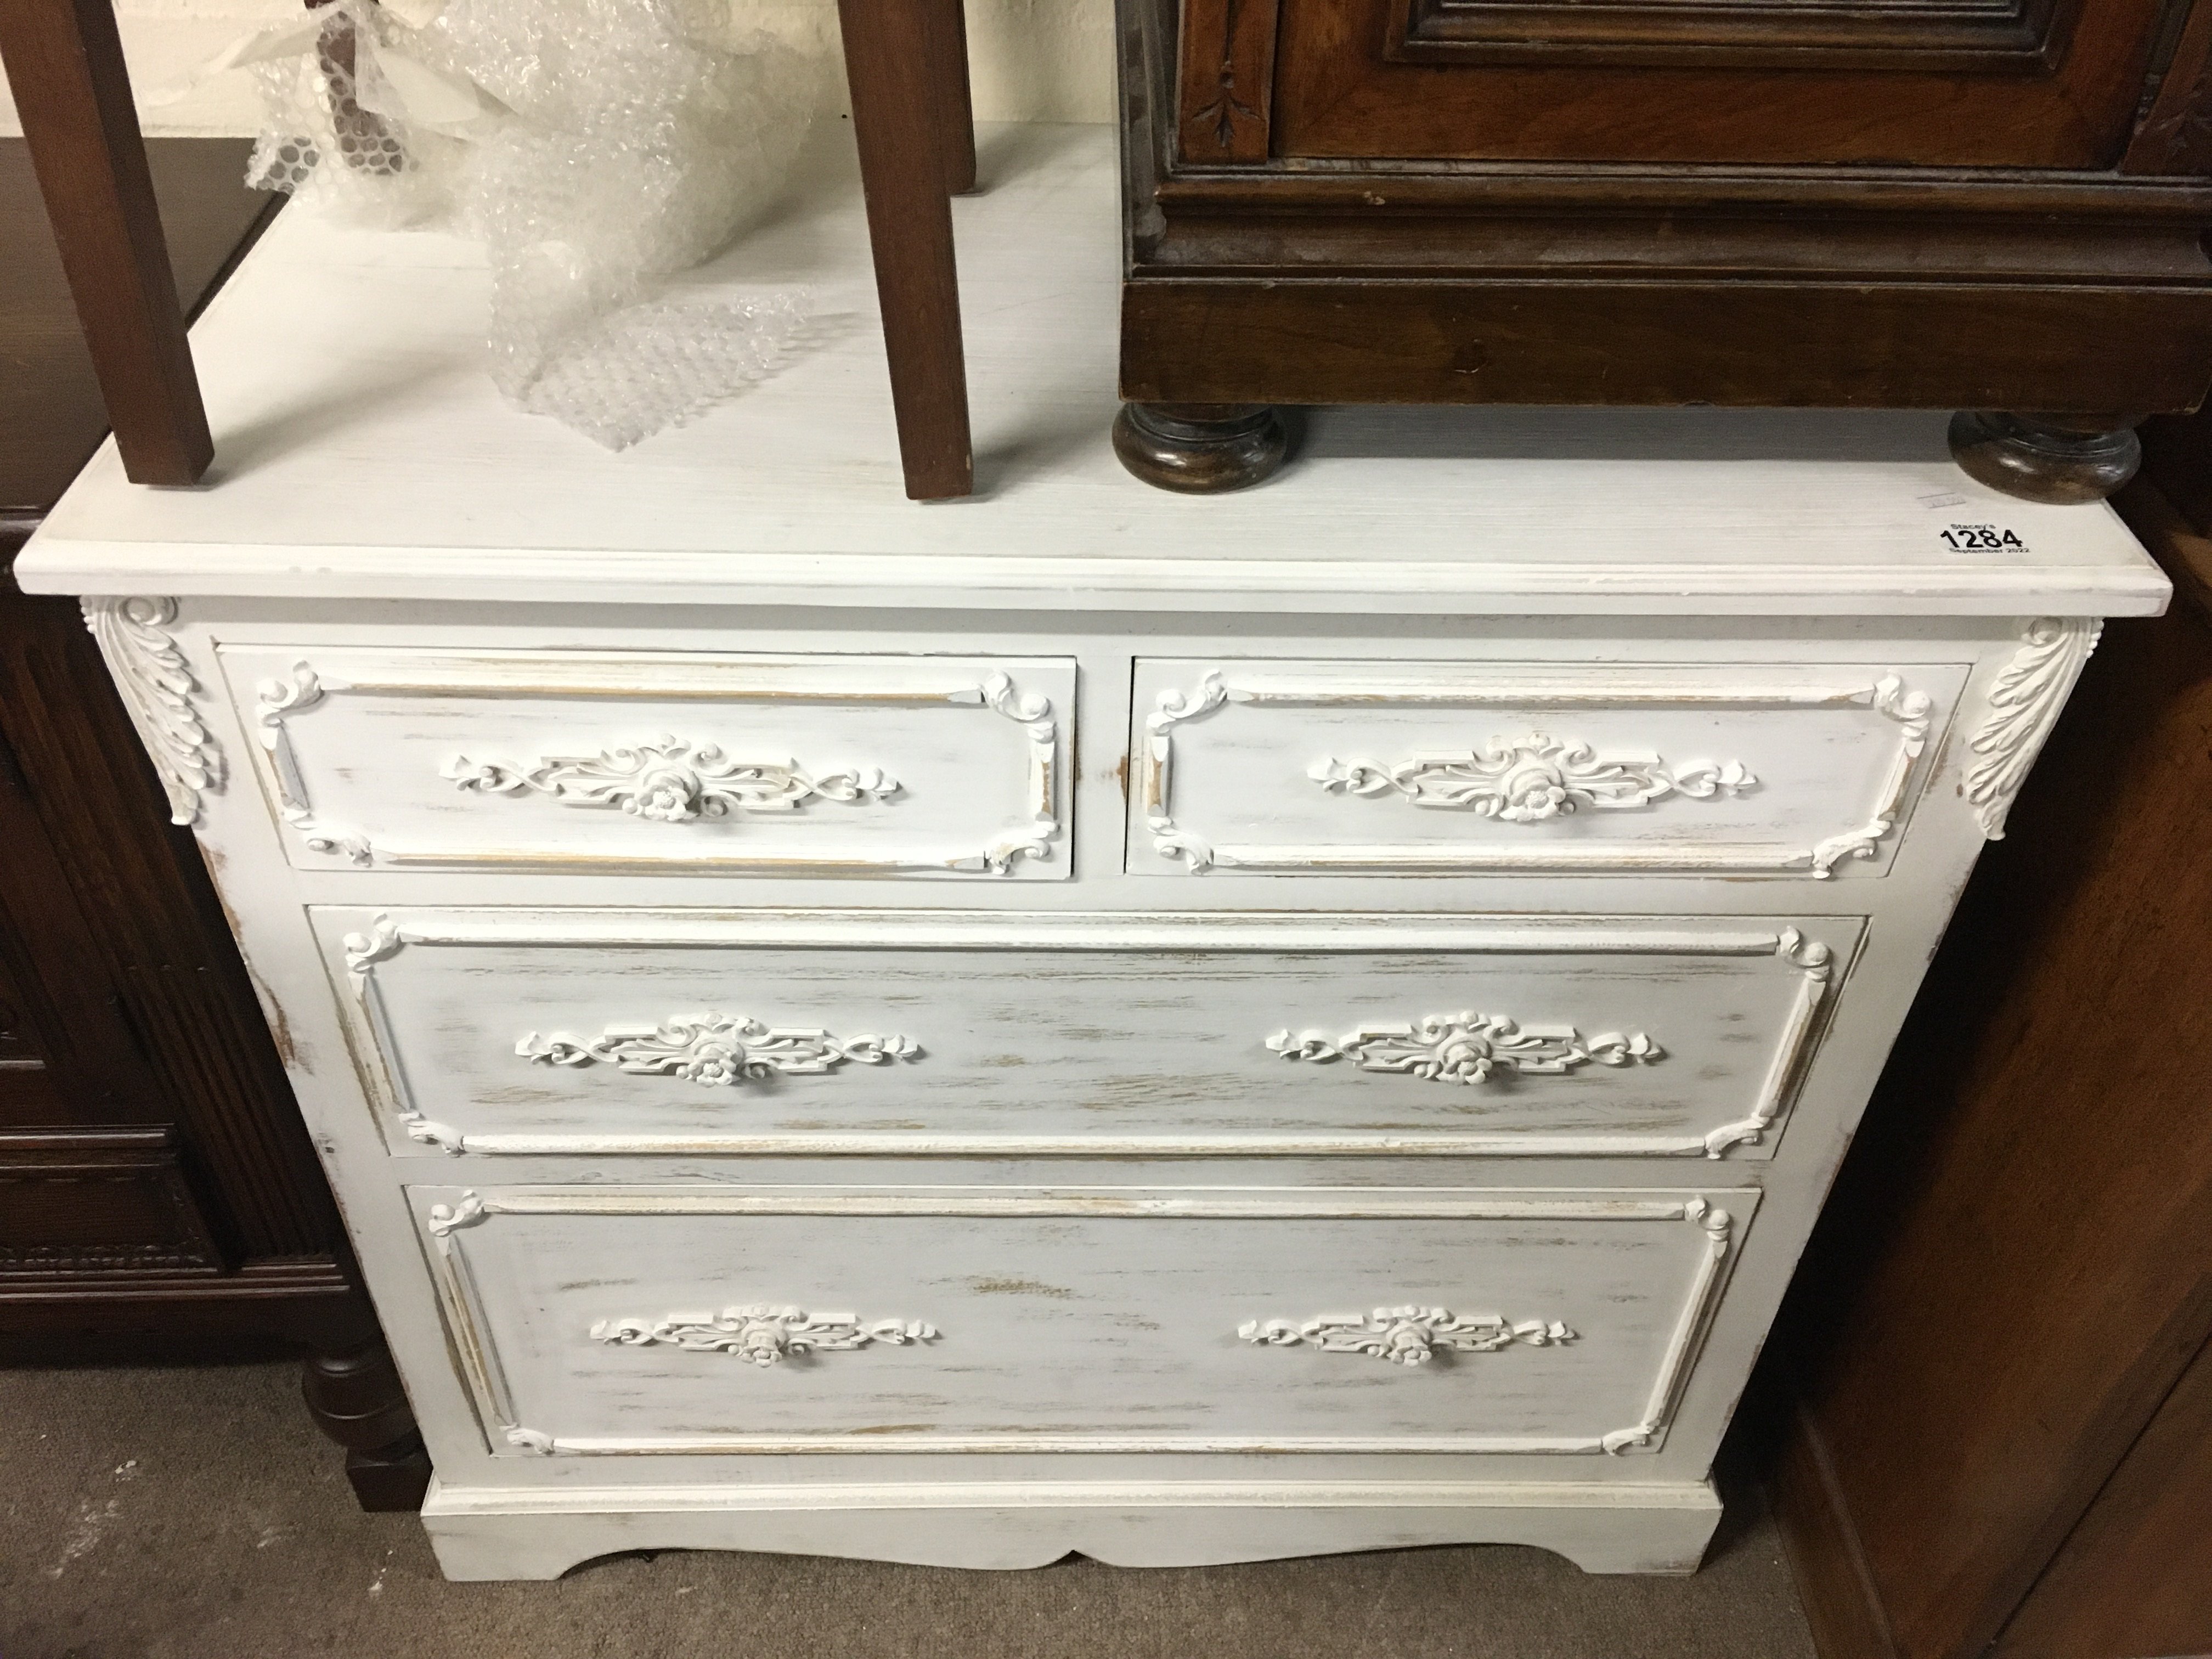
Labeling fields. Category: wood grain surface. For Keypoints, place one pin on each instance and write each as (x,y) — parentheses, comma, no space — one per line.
(2037,1169)
(50,416)
(898,59)
(157,1193)
(1337,95)
(72,92)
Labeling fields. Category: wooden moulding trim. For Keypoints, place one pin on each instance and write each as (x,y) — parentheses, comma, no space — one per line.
(1458,340)
(2027,37)
(103,1146)
(1835,1584)
(286,1278)
(1375,188)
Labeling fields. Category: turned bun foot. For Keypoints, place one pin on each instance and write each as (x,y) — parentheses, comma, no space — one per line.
(2044,458)
(1202,449)
(354,1393)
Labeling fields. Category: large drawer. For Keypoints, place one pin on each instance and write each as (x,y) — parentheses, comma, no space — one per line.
(515,1031)
(1410,768)
(613,1320)
(608,761)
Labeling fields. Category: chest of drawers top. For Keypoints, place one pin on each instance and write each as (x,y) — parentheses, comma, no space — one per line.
(364,455)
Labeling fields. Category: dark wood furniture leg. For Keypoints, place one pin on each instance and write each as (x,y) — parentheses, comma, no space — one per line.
(895,66)
(2066,458)
(1200,449)
(948,32)
(66,66)
(354,1393)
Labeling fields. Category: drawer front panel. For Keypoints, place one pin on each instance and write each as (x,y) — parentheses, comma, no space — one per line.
(488,1032)
(1413,768)
(605,1320)
(602,761)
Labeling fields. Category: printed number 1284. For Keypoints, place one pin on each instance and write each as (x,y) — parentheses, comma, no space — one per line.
(1981,539)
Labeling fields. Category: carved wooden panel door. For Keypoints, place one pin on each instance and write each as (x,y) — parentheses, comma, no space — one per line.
(1980,84)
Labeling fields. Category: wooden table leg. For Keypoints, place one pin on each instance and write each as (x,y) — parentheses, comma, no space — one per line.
(894,68)
(66,67)
(948,28)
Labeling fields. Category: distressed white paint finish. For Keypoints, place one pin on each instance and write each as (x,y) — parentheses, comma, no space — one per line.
(1302,767)
(493,1033)
(1418,1069)
(362,451)
(860,766)
(1800,996)
(540,1532)
(1136,1303)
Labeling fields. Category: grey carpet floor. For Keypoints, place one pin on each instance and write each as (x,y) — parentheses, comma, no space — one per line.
(173,1514)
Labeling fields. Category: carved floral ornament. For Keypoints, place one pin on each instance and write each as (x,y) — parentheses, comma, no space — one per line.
(1470,1049)
(671,781)
(1533,779)
(1406,1336)
(718,1050)
(762,1334)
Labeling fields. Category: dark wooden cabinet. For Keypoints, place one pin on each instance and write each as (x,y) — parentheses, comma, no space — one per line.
(1998,1351)
(1995,205)
(2019,83)
(158,1195)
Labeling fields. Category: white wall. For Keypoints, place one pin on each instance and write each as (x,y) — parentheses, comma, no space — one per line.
(1034,60)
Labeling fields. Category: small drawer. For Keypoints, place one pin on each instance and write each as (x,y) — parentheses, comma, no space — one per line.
(1424,769)
(514,1032)
(595,761)
(606,1320)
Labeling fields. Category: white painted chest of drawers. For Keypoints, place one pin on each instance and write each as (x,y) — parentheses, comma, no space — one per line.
(1181,1030)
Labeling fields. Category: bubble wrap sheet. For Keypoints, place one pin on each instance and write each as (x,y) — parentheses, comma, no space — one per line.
(595,147)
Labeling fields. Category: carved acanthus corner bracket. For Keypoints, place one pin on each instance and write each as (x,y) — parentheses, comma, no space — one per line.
(159,691)
(2023,705)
